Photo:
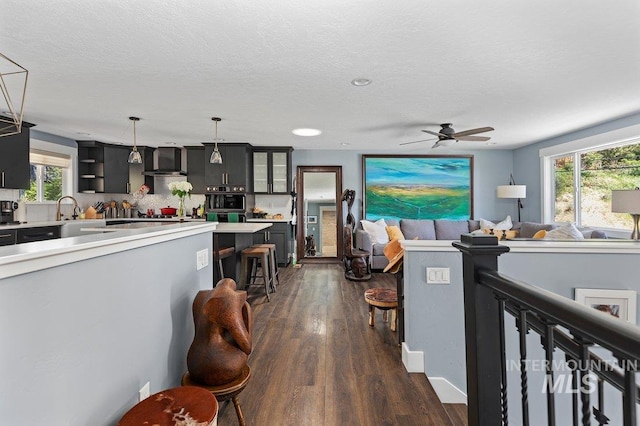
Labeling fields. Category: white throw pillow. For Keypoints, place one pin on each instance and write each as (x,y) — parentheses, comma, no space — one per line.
(568,231)
(377,231)
(505,225)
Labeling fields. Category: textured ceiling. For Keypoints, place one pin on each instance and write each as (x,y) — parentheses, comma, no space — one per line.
(530,69)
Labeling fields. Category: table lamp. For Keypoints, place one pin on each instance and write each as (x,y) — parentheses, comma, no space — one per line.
(628,201)
(512,191)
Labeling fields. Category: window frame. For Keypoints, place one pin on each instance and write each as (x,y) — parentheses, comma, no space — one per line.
(621,137)
(68,174)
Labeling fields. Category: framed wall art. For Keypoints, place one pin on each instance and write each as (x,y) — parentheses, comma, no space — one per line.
(417,187)
(618,303)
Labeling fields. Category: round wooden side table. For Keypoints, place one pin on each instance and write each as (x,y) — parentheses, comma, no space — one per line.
(383,299)
(172,407)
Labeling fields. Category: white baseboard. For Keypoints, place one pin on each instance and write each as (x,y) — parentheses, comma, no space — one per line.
(446,391)
(413,360)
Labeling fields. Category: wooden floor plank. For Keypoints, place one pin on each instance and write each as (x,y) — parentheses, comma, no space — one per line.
(316,361)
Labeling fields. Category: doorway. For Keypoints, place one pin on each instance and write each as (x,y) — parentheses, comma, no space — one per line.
(319,217)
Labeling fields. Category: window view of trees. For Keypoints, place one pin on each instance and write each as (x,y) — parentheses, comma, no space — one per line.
(600,173)
(49,179)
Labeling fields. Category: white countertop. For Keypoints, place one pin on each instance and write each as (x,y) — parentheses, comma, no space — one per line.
(240,228)
(269,220)
(23,258)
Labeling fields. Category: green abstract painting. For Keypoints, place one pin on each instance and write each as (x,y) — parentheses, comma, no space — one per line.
(417,187)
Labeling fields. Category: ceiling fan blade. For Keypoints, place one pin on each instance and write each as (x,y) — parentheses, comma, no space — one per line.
(434,133)
(423,140)
(472,132)
(474,138)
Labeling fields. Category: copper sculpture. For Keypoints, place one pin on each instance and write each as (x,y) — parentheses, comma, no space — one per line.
(223,328)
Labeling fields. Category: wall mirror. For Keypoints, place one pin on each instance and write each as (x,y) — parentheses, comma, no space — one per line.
(319,213)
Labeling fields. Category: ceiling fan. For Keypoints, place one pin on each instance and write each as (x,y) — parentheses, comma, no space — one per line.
(447,135)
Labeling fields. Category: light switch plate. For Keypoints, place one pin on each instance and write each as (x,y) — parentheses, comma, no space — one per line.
(438,276)
(202,259)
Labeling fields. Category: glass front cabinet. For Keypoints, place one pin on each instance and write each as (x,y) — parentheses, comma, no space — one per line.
(272,170)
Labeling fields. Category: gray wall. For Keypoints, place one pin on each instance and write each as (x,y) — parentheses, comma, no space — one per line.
(526,162)
(491,168)
(435,315)
(80,340)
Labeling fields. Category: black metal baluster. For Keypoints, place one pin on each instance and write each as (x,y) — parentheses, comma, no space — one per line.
(598,413)
(583,367)
(630,392)
(523,330)
(548,344)
(574,395)
(503,364)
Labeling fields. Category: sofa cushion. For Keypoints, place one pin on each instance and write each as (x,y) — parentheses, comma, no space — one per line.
(422,229)
(528,229)
(502,225)
(376,230)
(451,229)
(378,249)
(568,231)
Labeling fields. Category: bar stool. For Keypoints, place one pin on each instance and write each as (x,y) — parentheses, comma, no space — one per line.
(274,260)
(220,254)
(192,404)
(246,267)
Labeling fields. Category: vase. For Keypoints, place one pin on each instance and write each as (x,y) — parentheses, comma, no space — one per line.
(181,207)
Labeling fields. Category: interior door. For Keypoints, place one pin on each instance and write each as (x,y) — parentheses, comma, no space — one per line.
(318,233)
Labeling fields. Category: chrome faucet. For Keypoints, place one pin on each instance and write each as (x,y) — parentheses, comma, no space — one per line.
(75,206)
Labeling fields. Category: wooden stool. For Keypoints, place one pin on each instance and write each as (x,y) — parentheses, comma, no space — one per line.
(262,254)
(383,299)
(225,392)
(177,406)
(274,260)
(220,254)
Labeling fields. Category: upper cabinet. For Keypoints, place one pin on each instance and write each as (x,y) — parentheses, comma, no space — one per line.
(272,170)
(195,168)
(234,170)
(14,160)
(104,168)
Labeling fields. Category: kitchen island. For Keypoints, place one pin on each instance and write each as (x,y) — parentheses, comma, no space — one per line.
(86,321)
(236,235)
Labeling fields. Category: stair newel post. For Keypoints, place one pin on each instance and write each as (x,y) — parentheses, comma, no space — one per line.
(482,330)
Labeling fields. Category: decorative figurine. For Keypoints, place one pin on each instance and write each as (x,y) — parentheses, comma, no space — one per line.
(222,341)
(349,195)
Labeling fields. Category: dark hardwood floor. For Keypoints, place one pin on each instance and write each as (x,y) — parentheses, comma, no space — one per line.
(315,360)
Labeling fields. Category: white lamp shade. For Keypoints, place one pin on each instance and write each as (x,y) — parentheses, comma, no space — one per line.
(511,191)
(625,201)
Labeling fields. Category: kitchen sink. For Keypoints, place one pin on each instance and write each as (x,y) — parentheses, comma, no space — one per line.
(73,228)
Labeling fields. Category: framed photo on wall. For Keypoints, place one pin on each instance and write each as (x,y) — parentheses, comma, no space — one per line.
(618,303)
(417,187)
(312,219)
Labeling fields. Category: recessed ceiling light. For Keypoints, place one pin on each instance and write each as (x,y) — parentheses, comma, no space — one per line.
(306,132)
(361,82)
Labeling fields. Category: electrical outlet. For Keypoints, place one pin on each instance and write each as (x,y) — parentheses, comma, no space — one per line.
(144,392)
(202,259)
(438,276)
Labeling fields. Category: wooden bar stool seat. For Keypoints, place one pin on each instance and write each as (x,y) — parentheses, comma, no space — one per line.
(172,407)
(273,257)
(247,276)
(220,254)
(229,391)
(383,299)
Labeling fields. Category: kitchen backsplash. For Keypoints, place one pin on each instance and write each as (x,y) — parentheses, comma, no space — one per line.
(274,204)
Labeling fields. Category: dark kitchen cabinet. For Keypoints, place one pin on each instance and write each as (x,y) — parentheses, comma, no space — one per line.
(14,159)
(195,168)
(271,170)
(234,170)
(104,168)
(42,233)
(7,237)
(280,235)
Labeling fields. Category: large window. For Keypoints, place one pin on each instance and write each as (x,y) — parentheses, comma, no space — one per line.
(49,174)
(583,182)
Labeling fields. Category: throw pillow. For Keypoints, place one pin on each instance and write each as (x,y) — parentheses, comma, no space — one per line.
(504,225)
(377,231)
(394,233)
(528,229)
(567,231)
(540,234)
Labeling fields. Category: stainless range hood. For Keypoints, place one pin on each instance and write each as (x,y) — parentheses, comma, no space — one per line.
(167,162)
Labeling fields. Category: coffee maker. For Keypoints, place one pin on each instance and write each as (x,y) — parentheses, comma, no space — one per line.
(7,209)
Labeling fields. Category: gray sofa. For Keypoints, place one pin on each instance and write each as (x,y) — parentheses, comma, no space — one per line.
(424,229)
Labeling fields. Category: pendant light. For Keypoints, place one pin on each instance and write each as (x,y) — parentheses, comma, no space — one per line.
(134,155)
(216,158)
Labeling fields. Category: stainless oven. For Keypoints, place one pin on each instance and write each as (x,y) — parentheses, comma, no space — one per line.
(225,199)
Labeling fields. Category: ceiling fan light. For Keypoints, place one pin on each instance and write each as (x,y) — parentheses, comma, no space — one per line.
(446,142)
